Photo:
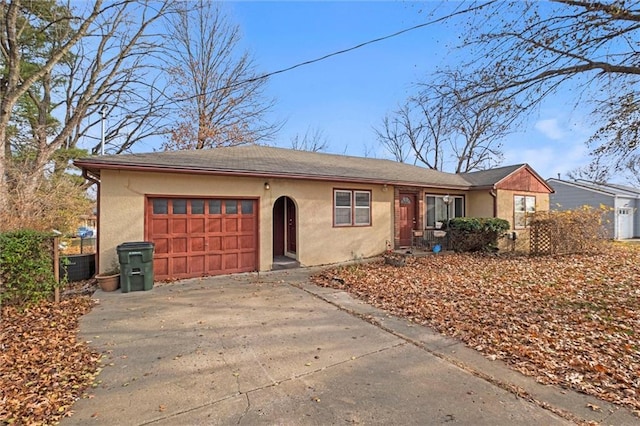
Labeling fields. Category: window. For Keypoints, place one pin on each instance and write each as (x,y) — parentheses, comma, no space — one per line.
(231,206)
(179,206)
(351,208)
(160,206)
(362,212)
(215,207)
(523,207)
(436,210)
(197,206)
(246,206)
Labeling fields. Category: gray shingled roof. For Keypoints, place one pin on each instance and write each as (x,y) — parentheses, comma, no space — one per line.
(616,188)
(491,176)
(606,188)
(270,161)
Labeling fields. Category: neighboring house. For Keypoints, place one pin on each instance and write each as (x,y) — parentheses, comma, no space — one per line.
(623,202)
(237,209)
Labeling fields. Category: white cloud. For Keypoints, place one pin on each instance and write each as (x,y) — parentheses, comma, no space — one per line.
(548,160)
(550,128)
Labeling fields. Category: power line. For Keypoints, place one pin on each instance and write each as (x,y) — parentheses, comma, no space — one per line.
(341,52)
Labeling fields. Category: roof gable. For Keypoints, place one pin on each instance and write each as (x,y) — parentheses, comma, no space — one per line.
(490,177)
(519,177)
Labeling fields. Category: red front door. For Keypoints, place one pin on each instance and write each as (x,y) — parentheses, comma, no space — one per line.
(407,218)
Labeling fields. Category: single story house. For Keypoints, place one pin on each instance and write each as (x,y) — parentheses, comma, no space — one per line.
(239,209)
(623,202)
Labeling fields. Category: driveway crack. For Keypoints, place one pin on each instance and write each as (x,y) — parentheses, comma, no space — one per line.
(246,409)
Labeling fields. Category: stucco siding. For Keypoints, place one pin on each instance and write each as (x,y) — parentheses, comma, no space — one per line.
(122,213)
(505,203)
(479,204)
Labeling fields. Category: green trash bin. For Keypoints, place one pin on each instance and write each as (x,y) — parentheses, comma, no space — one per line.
(136,266)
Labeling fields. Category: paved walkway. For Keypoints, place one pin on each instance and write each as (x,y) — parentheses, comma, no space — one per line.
(274,349)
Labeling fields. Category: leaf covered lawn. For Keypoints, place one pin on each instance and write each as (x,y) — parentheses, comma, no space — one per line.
(43,368)
(570,320)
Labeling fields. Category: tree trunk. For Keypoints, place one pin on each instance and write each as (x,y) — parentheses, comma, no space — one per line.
(4,193)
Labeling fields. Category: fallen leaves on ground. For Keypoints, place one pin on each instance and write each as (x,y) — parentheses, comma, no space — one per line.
(43,368)
(570,320)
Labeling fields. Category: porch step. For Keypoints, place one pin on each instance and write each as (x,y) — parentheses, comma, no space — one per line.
(283,262)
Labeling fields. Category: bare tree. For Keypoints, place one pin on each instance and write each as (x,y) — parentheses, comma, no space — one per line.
(632,167)
(15,82)
(133,101)
(392,137)
(539,47)
(219,93)
(313,140)
(593,172)
(442,127)
(62,61)
(476,125)
(415,132)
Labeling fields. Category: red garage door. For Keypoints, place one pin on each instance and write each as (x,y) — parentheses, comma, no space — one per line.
(199,237)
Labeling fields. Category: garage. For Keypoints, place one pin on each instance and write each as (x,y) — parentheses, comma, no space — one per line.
(197,237)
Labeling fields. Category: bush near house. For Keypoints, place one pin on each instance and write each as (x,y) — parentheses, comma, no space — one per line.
(571,231)
(475,234)
(26,267)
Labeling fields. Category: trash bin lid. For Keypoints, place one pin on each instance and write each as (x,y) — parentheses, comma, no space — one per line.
(136,245)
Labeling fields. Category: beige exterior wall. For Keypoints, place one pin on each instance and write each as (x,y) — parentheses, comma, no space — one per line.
(505,203)
(479,204)
(122,213)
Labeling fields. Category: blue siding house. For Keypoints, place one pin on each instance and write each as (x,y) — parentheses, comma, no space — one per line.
(622,200)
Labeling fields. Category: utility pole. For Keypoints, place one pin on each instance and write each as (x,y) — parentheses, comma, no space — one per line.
(103,111)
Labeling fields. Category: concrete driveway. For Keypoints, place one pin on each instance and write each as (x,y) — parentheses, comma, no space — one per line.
(274,349)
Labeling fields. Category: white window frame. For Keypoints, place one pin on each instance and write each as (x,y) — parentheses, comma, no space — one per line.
(521,217)
(353,207)
(366,208)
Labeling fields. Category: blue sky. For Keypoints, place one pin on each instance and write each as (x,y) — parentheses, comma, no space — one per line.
(347,95)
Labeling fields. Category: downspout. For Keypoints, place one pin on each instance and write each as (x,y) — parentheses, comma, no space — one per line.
(493,193)
(95,179)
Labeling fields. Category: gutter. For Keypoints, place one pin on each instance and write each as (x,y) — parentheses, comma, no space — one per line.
(90,176)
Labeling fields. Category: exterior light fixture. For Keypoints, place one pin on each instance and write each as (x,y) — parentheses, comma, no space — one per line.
(447,200)
(267,186)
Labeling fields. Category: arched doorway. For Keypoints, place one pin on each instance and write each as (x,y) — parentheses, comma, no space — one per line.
(285,232)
